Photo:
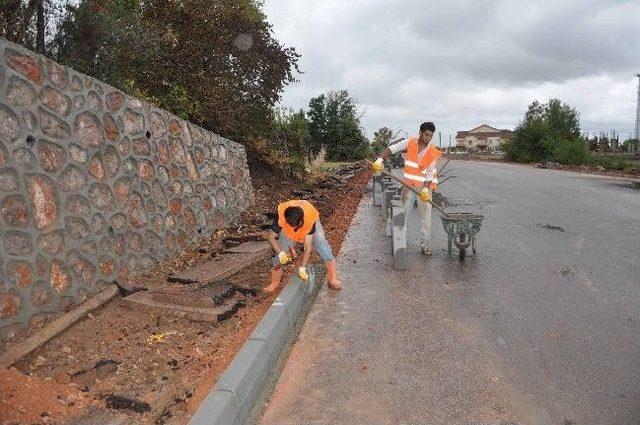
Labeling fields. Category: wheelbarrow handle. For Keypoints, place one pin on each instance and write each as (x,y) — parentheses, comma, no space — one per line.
(413,189)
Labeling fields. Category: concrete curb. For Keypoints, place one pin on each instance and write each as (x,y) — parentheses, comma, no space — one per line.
(237,398)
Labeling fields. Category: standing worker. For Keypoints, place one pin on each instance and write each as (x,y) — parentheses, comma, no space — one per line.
(299,222)
(420,173)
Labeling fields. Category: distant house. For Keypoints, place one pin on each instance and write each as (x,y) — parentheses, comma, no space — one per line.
(481,138)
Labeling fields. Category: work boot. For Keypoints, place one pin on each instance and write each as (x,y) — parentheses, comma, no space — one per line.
(276,278)
(332,275)
(426,251)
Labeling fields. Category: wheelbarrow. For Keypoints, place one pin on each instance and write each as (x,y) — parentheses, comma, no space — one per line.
(461,229)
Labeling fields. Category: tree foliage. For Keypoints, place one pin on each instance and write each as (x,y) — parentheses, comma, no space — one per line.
(548,132)
(213,62)
(30,22)
(381,139)
(291,134)
(334,123)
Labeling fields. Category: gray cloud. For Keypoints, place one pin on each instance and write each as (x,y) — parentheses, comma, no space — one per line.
(465,62)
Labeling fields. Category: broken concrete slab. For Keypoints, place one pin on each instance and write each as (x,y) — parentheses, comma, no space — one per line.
(250,247)
(192,308)
(218,268)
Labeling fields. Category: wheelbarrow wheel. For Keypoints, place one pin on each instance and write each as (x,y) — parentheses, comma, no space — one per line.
(463,246)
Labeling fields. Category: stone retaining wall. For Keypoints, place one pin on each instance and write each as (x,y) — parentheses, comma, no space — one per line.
(96,186)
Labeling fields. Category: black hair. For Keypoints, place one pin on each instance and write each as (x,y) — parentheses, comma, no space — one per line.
(427,126)
(294,216)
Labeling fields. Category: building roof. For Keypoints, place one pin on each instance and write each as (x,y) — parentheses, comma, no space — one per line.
(483,134)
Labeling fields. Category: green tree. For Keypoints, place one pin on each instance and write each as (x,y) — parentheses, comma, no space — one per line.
(291,133)
(213,62)
(381,139)
(334,123)
(30,22)
(548,132)
(630,145)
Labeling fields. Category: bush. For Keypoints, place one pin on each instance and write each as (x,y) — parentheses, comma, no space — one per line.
(610,162)
(543,133)
(570,151)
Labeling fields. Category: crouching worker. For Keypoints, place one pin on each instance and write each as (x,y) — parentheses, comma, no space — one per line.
(299,222)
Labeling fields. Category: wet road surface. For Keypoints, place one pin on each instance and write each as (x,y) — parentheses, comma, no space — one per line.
(540,327)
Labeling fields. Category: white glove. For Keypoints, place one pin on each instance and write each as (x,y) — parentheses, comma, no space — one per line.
(283,258)
(302,272)
(377,166)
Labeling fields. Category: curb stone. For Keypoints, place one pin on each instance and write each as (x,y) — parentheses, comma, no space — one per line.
(238,396)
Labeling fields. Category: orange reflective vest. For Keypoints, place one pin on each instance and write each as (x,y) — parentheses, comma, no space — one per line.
(310,216)
(414,170)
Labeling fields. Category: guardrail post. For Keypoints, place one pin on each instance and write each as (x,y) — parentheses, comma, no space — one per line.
(377,190)
(399,234)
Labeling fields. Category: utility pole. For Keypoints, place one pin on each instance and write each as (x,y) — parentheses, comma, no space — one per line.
(638,111)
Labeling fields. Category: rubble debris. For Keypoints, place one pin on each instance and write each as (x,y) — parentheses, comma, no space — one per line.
(233,310)
(218,300)
(123,403)
(102,368)
(125,292)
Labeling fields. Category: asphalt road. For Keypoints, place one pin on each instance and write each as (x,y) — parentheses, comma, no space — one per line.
(539,327)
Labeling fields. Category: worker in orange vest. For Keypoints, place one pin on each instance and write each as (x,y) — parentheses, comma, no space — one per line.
(299,222)
(419,172)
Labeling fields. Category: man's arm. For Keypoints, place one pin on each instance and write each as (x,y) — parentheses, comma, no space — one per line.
(308,249)
(392,149)
(271,237)
(400,146)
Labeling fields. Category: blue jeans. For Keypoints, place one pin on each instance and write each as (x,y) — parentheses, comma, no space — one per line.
(320,244)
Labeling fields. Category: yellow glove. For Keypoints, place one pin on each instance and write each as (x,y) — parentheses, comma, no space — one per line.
(424,195)
(283,258)
(377,166)
(302,272)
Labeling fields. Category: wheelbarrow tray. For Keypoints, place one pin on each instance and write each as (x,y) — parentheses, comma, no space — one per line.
(461,229)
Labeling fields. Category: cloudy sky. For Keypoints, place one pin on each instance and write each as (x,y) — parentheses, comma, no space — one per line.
(462,63)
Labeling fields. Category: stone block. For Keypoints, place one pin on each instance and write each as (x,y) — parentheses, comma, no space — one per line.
(9,125)
(24,63)
(42,195)
(377,190)
(292,297)
(9,305)
(399,237)
(218,408)
(247,372)
(88,130)
(386,203)
(273,329)
(53,126)
(56,101)
(20,93)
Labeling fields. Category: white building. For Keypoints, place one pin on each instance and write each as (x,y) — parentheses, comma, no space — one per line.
(482,138)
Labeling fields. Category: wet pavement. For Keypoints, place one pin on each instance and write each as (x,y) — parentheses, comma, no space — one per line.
(539,327)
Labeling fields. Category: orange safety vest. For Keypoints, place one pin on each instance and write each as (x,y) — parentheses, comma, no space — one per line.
(414,170)
(309,217)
